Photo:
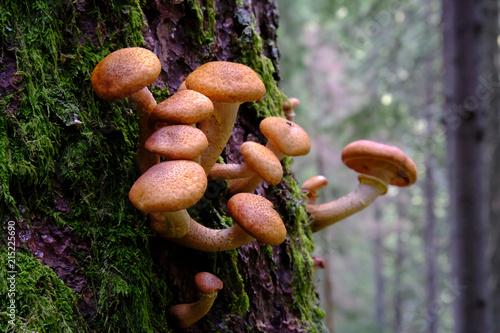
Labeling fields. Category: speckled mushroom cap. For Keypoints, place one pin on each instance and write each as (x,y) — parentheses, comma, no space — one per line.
(184,107)
(381,161)
(256,215)
(124,72)
(262,161)
(226,82)
(290,138)
(169,186)
(177,142)
(207,283)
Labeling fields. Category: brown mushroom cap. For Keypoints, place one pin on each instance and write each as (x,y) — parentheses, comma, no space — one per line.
(314,183)
(177,142)
(256,215)
(226,82)
(184,107)
(169,186)
(124,72)
(207,283)
(290,138)
(380,160)
(262,161)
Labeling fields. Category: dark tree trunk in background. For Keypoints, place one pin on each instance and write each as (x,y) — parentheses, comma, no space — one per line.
(378,268)
(86,259)
(465,115)
(399,258)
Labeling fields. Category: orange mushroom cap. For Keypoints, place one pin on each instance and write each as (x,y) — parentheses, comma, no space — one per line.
(256,215)
(226,82)
(288,137)
(262,161)
(177,142)
(125,72)
(381,161)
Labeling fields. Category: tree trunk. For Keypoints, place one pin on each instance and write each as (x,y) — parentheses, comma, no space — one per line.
(378,267)
(465,119)
(86,259)
(399,257)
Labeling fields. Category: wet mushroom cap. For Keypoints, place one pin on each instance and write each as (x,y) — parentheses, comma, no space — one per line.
(256,215)
(226,82)
(124,72)
(169,186)
(184,107)
(290,138)
(375,159)
(207,283)
(177,142)
(314,183)
(262,161)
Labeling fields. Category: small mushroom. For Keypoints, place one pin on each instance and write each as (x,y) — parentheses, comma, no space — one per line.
(165,191)
(127,73)
(285,138)
(255,219)
(208,286)
(379,165)
(288,107)
(184,107)
(311,186)
(227,85)
(177,142)
(319,263)
(257,160)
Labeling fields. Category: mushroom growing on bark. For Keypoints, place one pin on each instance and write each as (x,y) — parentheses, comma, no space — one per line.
(257,160)
(127,73)
(177,142)
(255,219)
(285,138)
(208,286)
(311,186)
(227,85)
(165,191)
(288,107)
(379,165)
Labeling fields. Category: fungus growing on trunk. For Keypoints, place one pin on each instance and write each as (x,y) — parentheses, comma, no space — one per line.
(288,107)
(208,286)
(227,85)
(311,186)
(255,219)
(177,142)
(285,138)
(127,73)
(165,191)
(379,165)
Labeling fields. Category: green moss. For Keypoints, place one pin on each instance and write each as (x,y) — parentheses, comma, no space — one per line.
(43,303)
(206,26)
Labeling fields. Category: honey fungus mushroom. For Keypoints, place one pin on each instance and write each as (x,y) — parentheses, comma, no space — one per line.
(379,165)
(255,218)
(177,142)
(208,286)
(228,85)
(165,191)
(126,73)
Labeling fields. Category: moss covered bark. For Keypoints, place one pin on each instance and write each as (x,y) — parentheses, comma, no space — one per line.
(85,258)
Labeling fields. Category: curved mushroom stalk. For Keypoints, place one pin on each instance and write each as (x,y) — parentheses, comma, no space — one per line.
(379,165)
(367,191)
(127,73)
(255,218)
(227,85)
(285,138)
(187,314)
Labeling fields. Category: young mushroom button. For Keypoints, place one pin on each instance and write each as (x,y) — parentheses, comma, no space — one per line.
(255,219)
(227,85)
(378,165)
(187,314)
(127,73)
(165,191)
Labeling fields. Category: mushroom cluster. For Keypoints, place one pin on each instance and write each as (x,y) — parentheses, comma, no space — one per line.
(181,139)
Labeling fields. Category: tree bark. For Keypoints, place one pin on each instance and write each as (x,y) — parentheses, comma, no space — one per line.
(465,119)
(68,164)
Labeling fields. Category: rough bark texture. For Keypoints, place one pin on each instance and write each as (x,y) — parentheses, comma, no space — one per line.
(466,112)
(68,163)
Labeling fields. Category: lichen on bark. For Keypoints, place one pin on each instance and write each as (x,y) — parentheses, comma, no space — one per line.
(69,163)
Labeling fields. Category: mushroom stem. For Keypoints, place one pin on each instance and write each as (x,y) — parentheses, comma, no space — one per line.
(170,224)
(144,102)
(368,189)
(230,171)
(217,128)
(202,238)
